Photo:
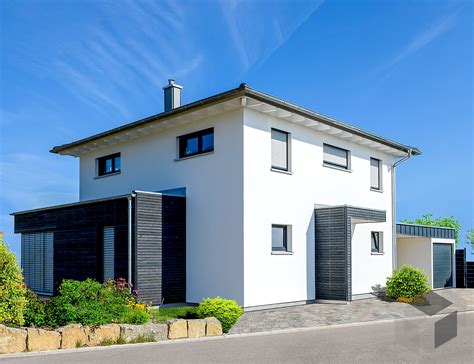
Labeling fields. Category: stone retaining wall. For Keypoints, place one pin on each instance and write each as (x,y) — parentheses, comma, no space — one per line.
(72,336)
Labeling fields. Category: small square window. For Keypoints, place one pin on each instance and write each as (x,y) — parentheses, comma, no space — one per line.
(108,165)
(377,241)
(336,157)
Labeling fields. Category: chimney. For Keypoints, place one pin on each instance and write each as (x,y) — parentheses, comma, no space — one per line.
(172,95)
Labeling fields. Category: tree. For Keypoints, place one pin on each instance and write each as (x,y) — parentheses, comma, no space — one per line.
(448,222)
(12,288)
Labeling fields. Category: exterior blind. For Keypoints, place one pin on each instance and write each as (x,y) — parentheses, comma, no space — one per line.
(375,173)
(109,252)
(336,156)
(279,149)
(37,261)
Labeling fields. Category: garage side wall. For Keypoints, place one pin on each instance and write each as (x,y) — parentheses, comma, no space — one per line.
(416,252)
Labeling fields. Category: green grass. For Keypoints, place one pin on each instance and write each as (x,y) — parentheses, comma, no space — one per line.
(169,313)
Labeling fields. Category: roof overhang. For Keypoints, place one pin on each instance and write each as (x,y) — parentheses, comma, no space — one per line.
(241,97)
(424,231)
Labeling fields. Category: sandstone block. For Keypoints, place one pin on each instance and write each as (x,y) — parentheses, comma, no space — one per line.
(213,327)
(196,328)
(39,339)
(12,340)
(177,329)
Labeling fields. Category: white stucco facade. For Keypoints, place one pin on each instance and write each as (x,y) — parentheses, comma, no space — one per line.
(233,198)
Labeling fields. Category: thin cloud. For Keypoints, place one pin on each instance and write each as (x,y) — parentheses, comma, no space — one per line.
(424,38)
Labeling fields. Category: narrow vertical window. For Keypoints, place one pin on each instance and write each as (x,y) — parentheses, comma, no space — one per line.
(109,253)
(280,150)
(375,174)
(376,242)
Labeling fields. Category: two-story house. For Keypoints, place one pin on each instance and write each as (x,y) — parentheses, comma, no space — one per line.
(241,195)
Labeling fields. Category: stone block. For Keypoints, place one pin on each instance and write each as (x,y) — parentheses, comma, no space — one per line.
(105,332)
(158,331)
(12,340)
(39,339)
(177,329)
(196,328)
(73,336)
(213,327)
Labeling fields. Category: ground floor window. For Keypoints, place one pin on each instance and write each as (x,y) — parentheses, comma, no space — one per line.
(377,242)
(109,252)
(37,260)
(281,238)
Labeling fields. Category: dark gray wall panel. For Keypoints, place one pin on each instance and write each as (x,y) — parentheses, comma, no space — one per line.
(461,268)
(333,251)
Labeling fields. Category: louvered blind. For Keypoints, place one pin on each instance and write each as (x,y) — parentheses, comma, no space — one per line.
(279,149)
(37,260)
(109,252)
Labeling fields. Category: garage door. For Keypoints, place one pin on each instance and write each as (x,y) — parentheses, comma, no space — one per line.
(442,265)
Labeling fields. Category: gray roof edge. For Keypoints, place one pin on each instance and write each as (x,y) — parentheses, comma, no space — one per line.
(427,226)
(243,90)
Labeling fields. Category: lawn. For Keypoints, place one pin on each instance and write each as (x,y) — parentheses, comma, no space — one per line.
(169,313)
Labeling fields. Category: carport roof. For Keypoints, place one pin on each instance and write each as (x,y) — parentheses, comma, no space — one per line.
(425,231)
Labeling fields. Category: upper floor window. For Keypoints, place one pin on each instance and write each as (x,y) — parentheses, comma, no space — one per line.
(108,164)
(280,150)
(336,157)
(375,174)
(196,143)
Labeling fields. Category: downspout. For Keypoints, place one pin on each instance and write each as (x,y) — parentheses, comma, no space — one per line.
(394,208)
(129,198)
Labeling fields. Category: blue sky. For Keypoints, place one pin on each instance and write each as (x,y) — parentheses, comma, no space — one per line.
(402,69)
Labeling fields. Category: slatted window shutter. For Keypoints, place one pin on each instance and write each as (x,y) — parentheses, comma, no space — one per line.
(109,252)
(38,261)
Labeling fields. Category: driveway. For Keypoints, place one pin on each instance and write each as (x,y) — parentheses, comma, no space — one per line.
(319,314)
(410,340)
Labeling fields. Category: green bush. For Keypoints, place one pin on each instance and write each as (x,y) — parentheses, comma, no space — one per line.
(135,316)
(91,303)
(35,314)
(226,311)
(12,288)
(407,282)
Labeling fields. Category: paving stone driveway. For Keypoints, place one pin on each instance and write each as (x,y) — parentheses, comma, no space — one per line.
(325,314)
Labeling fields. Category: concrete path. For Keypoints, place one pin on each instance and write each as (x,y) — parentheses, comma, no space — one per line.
(314,315)
(409,340)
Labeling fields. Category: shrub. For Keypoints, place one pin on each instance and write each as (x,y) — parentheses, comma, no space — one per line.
(91,303)
(135,316)
(12,288)
(35,314)
(407,282)
(226,311)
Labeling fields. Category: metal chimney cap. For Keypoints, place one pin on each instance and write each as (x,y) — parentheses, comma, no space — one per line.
(171,83)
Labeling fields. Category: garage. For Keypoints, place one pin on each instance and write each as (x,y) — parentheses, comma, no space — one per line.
(429,248)
(442,265)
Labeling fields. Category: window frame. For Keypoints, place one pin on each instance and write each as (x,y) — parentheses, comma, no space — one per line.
(287,246)
(103,160)
(277,168)
(373,247)
(380,188)
(182,139)
(326,163)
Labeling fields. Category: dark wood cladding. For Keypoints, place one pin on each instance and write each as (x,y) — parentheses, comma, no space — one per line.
(333,236)
(78,236)
(426,231)
(461,268)
(160,249)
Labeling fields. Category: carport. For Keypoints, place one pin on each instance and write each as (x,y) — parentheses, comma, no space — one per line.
(429,248)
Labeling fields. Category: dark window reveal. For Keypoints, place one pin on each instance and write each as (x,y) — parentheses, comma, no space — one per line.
(108,164)
(196,143)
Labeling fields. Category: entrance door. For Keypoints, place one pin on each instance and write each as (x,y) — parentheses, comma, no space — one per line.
(442,265)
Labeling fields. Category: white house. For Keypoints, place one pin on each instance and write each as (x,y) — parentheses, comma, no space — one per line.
(282,205)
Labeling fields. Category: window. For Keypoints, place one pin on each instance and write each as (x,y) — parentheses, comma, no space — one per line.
(108,165)
(377,242)
(109,252)
(280,238)
(196,143)
(37,254)
(375,174)
(280,150)
(337,157)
